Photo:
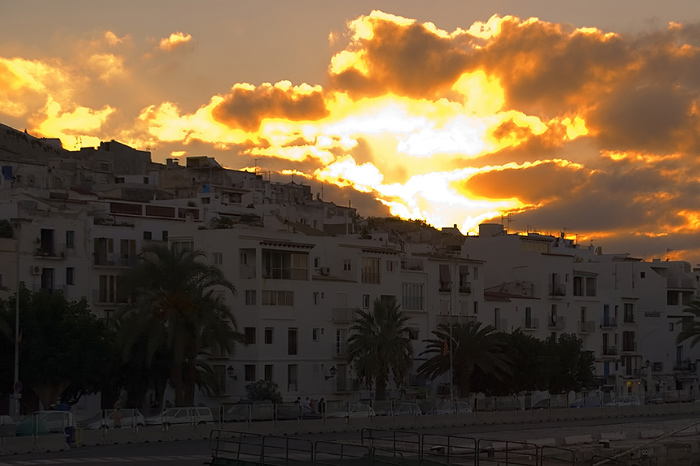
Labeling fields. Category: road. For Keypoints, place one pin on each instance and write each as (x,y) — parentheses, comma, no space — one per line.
(196,452)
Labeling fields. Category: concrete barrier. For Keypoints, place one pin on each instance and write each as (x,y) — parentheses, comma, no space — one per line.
(180,432)
(152,434)
(19,445)
(649,434)
(51,442)
(613,436)
(120,436)
(89,438)
(578,440)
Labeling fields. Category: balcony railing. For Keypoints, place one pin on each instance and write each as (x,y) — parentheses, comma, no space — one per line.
(465,288)
(532,324)
(557,290)
(608,322)
(682,283)
(557,323)
(369,277)
(608,351)
(344,315)
(684,366)
(587,326)
(629,347)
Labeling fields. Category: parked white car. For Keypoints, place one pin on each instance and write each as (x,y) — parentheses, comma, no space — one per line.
(357,410)
(453,407)
(181,415)
(105,420)
(45,422)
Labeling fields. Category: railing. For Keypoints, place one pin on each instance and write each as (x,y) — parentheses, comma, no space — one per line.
(532,324)
(368,277)
(629,347)
(683,283)
(587,326)
(608,322)
(608,350)
(557,291)
(558,323)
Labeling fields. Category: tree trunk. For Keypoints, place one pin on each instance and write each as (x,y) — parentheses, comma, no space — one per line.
(176,380)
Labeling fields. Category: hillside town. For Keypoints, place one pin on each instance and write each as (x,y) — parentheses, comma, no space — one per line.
(303,266)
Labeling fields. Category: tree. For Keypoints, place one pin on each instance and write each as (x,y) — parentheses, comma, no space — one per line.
(379,345)
(65,351)
(178,309)
(571,368)
(690,325)
(473,348)
(263,390)
(529,368)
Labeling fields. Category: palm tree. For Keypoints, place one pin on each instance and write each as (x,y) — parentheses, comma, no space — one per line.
(177,308)
(690,329)
(379,345)
(473,346)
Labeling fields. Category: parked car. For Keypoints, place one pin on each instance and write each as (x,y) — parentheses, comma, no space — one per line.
(181,415)
(624,401)
(357,410)
(401,409)
(549,403)
(670,397)
(45,422)
(241,412)
(105,420)
(289,411)
(587,402)
(453,407)
(8,427)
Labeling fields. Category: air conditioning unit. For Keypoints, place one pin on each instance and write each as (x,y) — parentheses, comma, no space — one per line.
(325,270)
(36,270)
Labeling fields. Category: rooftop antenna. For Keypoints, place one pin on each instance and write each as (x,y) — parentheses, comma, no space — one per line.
(508,219)
(668,256)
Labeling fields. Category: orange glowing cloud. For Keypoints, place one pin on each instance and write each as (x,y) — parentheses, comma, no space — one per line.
(174,41)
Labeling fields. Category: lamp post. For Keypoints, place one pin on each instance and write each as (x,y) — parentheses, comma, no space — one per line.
(231,372)
(17,387)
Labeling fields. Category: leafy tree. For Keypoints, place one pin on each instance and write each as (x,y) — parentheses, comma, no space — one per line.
(379,345)
(690,325)
(571,367)
(474,348)
(529,369)
(263,390)
(177,309)
(65,351)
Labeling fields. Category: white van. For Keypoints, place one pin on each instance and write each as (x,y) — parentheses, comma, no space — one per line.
(182,415)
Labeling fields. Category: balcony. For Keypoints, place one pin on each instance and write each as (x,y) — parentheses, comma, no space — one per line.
(531,324)
(608,322)
(247,272)
(57,251)
(684,366)
(629,347)
(680,283)
(340,351)
(465,288)
(557,323)
(587,326)
(608,351)
(109,259)
(344,315)
(557,291)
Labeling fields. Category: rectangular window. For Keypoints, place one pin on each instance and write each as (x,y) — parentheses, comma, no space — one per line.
(370,270)
(292,374)
(269,332)
(365,301)
(106,292)
(285,265)
(317,298)
(590,286)
(217,258)
(628,341)
(249,333)
(629,312)
(341,341)
(412,333)
(269,372)
(249,370)
(147,235)
(70,239)
(277,298)
(578,286)
(292,342)
(70,276)
(164,235)
(347,265)
(445,278)
(219,371)
(528,317)
(250,297)
(412,299)
(389,266)
(315,334)
(464,285)
(476,308)
(476,273)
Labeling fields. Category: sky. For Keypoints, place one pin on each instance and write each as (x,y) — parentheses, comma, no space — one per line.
(549,116)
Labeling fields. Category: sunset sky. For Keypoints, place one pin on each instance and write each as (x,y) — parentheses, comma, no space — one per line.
(575,116)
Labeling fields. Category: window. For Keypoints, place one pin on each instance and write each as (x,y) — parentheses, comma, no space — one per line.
(277,298)
(292,341)
(365,301)
(370,270)
(249,335)
(317,262)
(412,296)
(412,333)
(285,265)
(590,286)
(528,317)
(341,341)
(628,313)
(70,239)
(476,308)
(250,297)
(249,370)
(347,265)
(464,285)
(147,235)
(628,341)
(315,334)
(642,274)
(292,375)
(70,276)
(578,286)
(269,332)
(445,277)
(164,235)
(217,258)
(220,375)
(317,298)
(476,273)
(553,315)
(244,257)
(269,372)
(106,289)
(670,327)
(389,266)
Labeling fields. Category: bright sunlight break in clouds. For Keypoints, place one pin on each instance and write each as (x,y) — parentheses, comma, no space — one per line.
(557,122)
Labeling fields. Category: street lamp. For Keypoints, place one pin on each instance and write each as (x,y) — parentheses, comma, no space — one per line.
(332,371)
(230,371)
